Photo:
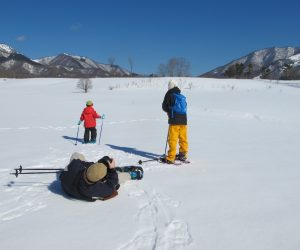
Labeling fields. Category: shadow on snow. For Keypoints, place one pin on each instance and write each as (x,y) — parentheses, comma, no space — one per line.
(72,139)
(134,151)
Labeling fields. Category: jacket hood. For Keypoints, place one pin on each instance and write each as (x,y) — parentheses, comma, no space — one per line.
(88,110)
(174,90)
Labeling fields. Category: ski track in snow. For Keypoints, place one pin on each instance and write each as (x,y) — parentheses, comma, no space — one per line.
(61,128)
(26,194)
(158,228)
(25,197)
(206,112)
(231,114)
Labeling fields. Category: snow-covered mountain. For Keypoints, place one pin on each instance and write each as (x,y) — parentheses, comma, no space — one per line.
(5,50)
(83,65)
(14,64)
(272,63)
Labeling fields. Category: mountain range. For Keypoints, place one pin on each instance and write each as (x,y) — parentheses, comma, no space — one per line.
(270,63)
(16,65)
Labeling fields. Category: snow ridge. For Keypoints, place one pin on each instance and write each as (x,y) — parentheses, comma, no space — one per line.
(6,50)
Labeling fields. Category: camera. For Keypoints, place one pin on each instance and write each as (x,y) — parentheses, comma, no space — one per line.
(106,159)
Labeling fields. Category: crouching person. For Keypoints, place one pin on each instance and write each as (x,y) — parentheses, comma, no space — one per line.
(92,181)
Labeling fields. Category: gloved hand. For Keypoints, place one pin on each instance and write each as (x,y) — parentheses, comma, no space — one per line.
(79,122)
(103,116)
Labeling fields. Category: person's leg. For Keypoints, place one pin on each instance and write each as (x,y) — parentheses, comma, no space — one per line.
(93,134)
(172,141)
(76,156)
(183,141)
(86,137)
(123,177)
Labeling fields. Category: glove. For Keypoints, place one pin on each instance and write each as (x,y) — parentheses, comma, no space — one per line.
(79,122)
(103,116)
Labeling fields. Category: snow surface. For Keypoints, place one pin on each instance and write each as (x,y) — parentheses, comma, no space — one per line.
(241,190)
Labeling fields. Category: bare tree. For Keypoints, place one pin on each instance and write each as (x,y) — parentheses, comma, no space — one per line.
(111,61)
(171,66)
(162,70)
(183,67)
(130,61)
(85,84)
(176,66)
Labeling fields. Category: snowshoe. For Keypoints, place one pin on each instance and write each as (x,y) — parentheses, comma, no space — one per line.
(135,172)
(165,160)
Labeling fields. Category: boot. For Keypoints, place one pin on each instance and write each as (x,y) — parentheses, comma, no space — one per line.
(181,157)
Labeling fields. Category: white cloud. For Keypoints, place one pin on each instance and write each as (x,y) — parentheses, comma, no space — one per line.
(21,38)
(76,27)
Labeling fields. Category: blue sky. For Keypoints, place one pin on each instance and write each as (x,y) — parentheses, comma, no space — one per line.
(206,33)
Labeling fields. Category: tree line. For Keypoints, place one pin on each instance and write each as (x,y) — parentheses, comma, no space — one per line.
(239,70)
(175,66)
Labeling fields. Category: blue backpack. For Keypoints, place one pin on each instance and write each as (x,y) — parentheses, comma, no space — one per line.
(180,105)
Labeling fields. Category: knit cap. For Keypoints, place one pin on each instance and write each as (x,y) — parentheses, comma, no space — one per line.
(171,84)
(89,103)
(96,172)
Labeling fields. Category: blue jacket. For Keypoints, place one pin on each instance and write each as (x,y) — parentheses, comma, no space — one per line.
(169,100)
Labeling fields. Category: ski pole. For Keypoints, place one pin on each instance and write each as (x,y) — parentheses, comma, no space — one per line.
(20,169)
(77,136)
(153,159)
(101,130)
(41,169)
(167,143)
(141,162)
(45,172)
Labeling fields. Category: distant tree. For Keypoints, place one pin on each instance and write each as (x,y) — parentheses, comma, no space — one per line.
(239,68)
(289,73)
(235,70)
(171,66)
(230,71)
(176,66)
(249,72)
(85,84)
(265,72)
(162,70)
(131,62)
(183,67)
(111,60)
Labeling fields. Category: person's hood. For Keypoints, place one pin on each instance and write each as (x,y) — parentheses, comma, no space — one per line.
(174,90)
(88,110)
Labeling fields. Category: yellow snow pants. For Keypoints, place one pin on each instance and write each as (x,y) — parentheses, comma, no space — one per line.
(177,132)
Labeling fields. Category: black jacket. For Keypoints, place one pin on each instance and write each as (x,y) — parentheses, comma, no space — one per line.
(169,100)
(73,183)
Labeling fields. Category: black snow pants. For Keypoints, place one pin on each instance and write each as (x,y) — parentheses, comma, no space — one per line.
(87,132)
